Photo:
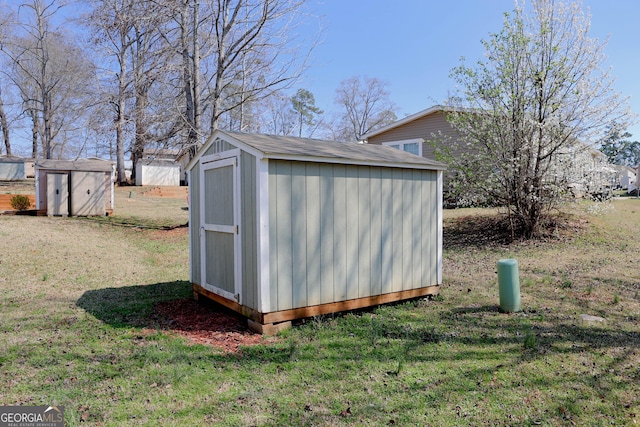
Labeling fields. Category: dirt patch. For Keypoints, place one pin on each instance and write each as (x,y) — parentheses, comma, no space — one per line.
(480,231)
(206,324)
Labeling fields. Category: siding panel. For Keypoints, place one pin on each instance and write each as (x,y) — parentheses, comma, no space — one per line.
(194,225)
(407,229)
(327,242)
(416,248)
(364,232)
(352,240)
(314,211)
(386,230)
(299,243)
(284,230)
(397,231)
(376,231)
(274,254)
(345,232)
(340,210)
(248,230)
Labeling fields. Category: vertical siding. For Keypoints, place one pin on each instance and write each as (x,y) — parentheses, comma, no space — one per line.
(313,207)
(397,237)
(299,243)
(386,230)
(194,224)
(248,230)
(339,173)
(352,234)
(327,237)
(375,229)
(281,246)
(343,232)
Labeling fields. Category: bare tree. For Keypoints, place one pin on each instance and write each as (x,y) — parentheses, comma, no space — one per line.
(540,90)
(279,117)
(252,44)
(4,126)
(366,105)
(52,74)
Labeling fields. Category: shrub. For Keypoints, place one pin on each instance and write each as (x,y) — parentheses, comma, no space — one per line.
(20,202)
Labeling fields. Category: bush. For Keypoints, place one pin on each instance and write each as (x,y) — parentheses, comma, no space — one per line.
(20,202)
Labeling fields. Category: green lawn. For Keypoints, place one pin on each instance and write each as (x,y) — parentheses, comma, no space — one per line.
(75,330)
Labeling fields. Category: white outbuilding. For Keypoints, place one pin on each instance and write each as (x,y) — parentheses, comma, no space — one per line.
(82,187)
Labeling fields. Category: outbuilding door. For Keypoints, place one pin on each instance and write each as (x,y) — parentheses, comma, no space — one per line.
(57,194)
(88,193)
(220,233)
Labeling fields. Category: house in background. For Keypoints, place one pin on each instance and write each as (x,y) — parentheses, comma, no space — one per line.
(626,179)
(412,133)
(584,168)
(587,171)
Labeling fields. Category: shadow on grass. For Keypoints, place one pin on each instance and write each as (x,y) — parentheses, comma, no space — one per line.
(491,231)
(131,305)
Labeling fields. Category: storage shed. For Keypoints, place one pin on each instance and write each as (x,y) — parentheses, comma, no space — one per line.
(283,228)
(12,169)
(157,172)
(82,187)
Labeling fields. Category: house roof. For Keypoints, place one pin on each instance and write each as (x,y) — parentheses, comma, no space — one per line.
(307,149)
(408,119)
(86,165)
(412,117)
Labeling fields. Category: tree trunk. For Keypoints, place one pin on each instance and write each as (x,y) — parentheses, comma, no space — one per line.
(5,129)
(34,133)
(120,113)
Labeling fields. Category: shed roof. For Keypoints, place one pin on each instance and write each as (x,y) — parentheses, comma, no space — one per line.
(308,149)
(159,162)
(12,159)
(86,165)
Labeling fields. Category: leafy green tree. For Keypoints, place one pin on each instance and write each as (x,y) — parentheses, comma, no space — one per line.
(618,148)
(304,104)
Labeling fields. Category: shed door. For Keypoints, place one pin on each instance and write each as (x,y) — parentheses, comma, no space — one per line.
(57,194)
(87,193)
(220,233)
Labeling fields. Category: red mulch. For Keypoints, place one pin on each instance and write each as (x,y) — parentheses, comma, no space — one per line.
(206,324)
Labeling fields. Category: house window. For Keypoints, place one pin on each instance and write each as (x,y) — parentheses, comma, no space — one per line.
(413,146)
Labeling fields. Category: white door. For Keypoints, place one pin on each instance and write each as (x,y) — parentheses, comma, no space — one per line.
(88,193)
(219,228)
(57,194)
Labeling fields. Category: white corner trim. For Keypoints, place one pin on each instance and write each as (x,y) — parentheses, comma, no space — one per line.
(440,236)
(262,193)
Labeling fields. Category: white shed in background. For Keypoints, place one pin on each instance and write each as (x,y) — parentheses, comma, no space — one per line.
(12,169)
(157,172)
(283,228)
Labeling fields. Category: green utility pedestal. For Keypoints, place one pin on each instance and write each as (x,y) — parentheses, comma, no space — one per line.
(509,285)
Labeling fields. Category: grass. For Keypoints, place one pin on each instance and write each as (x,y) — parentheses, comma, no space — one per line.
(75,330)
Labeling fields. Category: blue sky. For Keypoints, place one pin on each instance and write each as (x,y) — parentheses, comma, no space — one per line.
(413,45)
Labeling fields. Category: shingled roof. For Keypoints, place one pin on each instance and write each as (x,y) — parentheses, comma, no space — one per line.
(308,149)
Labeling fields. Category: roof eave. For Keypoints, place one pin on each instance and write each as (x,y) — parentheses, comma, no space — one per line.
(346,161)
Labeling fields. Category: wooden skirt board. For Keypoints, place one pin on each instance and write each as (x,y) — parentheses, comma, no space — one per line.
(268,320)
